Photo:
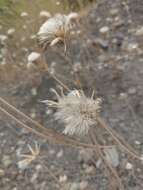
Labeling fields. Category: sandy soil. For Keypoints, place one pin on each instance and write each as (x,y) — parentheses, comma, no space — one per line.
(109,58)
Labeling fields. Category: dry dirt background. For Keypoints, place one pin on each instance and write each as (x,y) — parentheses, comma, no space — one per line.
(109,55)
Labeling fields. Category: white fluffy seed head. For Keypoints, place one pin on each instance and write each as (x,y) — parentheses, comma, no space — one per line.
(55,27)
(76,111)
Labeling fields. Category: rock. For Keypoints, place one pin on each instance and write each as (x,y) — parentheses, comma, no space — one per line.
(6,161)
(63,179)
(58,3)
(3,38)
(89,169)
(77,67)
(114,12)
(85,156)
(45,14)
(33,36)
(24,14)
(24,26)
(2,172)
(30,65)
(49,112)
(39,167)
(132,46)
(129,166)
(34,91)
(112,156)
(139,31)
(101,43)
(83,185)
(74,186)
(11,31)
(137,142)
(34,177)
(33,114)
(141,158)
(132,91)
(118,22)
(123,96)
(60,154)
(98,163)
(104,30)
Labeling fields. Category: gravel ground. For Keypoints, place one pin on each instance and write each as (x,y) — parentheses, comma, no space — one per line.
(108,57)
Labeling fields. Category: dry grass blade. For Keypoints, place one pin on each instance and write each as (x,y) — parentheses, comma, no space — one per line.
(107,164)
(40,130)
(118,139)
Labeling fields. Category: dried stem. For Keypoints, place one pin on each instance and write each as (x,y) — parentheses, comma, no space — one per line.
(107,164)
(118,139)
(43,132)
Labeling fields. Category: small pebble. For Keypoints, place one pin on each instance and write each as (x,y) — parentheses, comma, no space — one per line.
(104,29)
(24,14)
(112,156)
(3,38)
(129,166)
(58,3)
(114,12)
(77,67)
(98,163)
(63,179)
(123,96)
(85,155)
(24,27)
(34,91)
(132,46)
(60,154)
(83,185)
(74,186)
(2,173)
(137,142)
(132,90)
(11,31)
(89,170)
(6,161)
(49,111)
(139,32)
(34,177)
(52,152)
(33,114)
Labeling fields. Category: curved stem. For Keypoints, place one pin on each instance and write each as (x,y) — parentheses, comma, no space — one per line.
(118,139)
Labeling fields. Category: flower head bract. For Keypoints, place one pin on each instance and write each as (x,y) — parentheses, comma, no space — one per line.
(76,111)
(54,30)
(28,158)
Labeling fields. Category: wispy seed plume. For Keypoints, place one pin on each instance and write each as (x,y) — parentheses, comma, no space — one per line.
(76,111)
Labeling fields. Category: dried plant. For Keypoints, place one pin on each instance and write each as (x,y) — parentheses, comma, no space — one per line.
(28,158)
(54,30)
(77,111)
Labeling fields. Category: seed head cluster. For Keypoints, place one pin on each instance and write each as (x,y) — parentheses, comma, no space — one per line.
(53,30)
(76,111)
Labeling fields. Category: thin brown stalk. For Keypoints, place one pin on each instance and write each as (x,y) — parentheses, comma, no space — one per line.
(107,164)
(60,82)
(118,139)
(53,176)
(41,131)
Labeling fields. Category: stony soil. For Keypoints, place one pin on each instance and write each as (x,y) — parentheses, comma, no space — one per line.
(108,55)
